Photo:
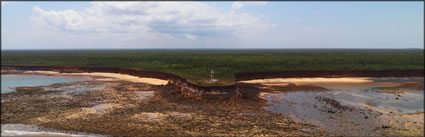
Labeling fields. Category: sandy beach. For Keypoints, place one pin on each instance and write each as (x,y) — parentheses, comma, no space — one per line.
(115,76)
(310,80)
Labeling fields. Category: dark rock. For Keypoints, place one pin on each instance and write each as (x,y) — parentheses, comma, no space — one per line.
(384,126)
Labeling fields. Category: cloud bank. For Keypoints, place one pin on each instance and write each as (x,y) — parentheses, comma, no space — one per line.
(150,20)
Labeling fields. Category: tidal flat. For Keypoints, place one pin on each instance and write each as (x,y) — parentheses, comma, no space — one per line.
(122,108)
(365,106)
(109,106)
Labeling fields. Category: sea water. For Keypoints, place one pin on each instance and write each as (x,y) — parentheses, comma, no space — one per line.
(35,131)
(10,81)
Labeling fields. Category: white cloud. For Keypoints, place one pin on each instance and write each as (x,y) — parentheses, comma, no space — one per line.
(190,36)
(154,20)
(4,3)
(65,20)
(238,5)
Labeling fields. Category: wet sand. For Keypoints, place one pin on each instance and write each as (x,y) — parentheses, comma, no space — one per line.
(359,107)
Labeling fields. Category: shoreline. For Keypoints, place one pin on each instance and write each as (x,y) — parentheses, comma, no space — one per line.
(36,131)
(100,76)
(200,91)
(238,76)
(51,74)
(158,108)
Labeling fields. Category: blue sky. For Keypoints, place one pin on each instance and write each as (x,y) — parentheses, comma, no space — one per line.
(70,25)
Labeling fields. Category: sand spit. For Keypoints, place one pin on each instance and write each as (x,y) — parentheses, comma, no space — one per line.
(123,77)
(299,81)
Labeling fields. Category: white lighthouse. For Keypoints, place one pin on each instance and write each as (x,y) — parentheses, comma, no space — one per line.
(212,77)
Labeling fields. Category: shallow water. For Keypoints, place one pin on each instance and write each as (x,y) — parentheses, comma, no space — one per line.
(10,81)
(79,87)
(411,102)
(35,131)
(368,105)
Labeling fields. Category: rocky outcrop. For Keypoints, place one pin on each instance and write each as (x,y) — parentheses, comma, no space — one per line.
(188,89)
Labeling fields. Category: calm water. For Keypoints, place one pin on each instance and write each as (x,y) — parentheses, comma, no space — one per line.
(303,105)
(10,81)
(35,131)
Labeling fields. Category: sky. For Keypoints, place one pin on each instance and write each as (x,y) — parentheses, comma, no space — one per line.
(134,25)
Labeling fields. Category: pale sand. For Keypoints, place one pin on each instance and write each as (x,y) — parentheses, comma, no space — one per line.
(106,107)
(407,124)
(42,72)
(142,95)
(157,116)
(263,94)
(36,134)
(415,117)
(105,79)
(123,77)
(310,80)
(150,116)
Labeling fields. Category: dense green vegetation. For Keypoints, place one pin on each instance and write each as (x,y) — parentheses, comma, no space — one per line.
(195,65)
